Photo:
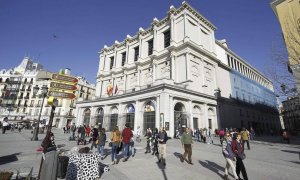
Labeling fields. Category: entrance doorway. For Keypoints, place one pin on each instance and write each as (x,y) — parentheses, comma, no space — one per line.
(180,118)
(149,116)
(130,116)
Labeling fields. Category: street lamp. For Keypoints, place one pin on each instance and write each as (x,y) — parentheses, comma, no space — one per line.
(44,95)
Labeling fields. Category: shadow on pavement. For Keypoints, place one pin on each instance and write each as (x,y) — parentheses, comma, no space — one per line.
(178,155)
(161,167)
(213,167)
(9,158)
(289,151)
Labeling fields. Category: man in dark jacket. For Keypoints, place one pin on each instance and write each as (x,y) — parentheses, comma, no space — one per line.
(162,140)
(126,136)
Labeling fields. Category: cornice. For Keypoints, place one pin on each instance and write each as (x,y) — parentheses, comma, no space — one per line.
(161,87)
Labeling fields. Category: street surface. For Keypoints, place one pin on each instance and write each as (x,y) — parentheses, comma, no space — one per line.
(265,160)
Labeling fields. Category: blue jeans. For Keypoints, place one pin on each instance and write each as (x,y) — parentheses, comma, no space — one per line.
(101,150)
(125,150)
(113,151)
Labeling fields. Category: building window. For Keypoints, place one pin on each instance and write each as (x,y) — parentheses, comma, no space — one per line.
(123,58)
(136,53)
(150,47)
(167,38)
(111,62)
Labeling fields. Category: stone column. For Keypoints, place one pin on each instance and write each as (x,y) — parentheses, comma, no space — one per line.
(190,111)
(157,111)
(171,119)
(154,73)
(173,67)
(188,66)
(205,116)
(138,116)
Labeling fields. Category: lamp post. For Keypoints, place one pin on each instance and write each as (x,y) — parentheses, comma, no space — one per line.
(44,95)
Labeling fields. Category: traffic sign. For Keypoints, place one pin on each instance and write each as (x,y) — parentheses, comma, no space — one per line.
(62,86)
(65,78)
(58,94)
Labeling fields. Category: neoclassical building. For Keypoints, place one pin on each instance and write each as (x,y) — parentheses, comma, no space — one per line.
(170,75)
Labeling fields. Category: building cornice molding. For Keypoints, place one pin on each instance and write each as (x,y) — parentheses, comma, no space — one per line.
(159,87)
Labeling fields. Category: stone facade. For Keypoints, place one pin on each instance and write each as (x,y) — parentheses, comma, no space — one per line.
(168,76)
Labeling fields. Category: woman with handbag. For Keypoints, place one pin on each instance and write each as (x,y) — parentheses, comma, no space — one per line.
(229,156)
(115,140)
(238,149)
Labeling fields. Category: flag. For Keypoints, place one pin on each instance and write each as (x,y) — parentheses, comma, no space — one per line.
(109,89)
(116,89)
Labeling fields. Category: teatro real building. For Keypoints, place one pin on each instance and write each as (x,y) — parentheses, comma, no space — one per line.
(176,74)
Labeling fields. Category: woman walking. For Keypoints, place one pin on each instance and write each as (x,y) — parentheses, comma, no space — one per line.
(229,156)
(238,149)
(101,142)
(116,141)
(94,138)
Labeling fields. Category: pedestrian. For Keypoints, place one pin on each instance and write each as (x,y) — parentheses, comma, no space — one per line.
(204,132)
(5,125)
(87,131)
(126,136)
(64,130)
(252,133)
(138,134)
(20,127)
(155,141)
(210,136)
(221,134)
(101,142)
(116,142)
(187,141)
(95,135)
(286,136)
(148,137)
(238,149)
(162,140)
(12,128)
(197,133)
(73,130)
(229,156)
(131,151)
(245,137)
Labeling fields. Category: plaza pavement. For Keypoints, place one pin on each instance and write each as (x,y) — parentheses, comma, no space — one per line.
(265,160)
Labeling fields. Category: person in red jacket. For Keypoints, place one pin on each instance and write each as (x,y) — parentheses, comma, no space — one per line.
(87,131)
(126,136)
(238,149)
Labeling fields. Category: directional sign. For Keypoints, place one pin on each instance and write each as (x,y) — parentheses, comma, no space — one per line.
(63,86)
(65,78)
(61,94)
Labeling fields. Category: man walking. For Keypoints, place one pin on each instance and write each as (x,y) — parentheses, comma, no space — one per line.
(127,135)
(245,137)
(162,140)
(187,141)
(5,125)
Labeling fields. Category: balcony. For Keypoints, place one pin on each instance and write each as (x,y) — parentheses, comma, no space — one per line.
(26,97)
(20,97)
(31,105)
(28,89)
(10,97)
(23,89)
(13,89)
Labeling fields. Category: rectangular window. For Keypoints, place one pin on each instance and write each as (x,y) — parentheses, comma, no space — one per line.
(136,53)
(228,59)
(150,47)
(123,58)
(167,38)
(111,62)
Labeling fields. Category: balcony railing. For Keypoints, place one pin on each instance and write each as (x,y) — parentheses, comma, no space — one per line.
(26,97)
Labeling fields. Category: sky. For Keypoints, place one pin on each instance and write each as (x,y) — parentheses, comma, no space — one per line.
(70,33)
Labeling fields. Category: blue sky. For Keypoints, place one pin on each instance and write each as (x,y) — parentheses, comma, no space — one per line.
(82,28)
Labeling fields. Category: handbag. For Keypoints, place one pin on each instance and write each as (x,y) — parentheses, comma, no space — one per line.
(242,156)
(97,141)
(110,144)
